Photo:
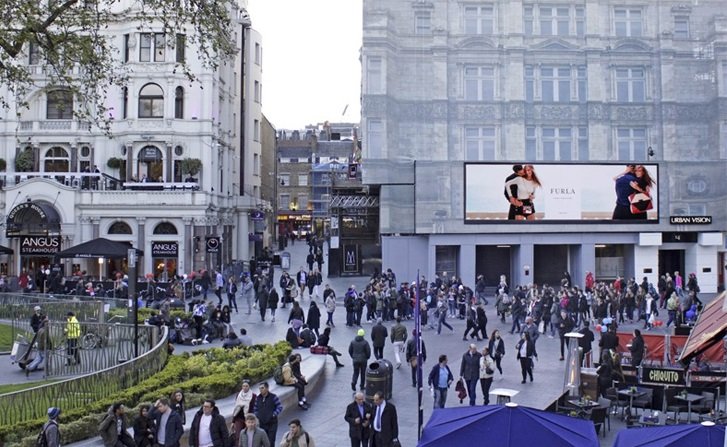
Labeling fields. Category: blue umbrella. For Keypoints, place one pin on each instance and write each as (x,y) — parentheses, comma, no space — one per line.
(706,434)
(506,425)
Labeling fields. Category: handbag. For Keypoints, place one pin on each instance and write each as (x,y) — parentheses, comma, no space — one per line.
(640,202)
(489,370)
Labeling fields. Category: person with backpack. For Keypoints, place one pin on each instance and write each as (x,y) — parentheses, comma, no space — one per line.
(113,428)
(296,436)
(50,434)
(267,410)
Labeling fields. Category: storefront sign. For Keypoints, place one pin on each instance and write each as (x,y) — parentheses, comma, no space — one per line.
(213,244)
(150,153)
(663,376)
(164,249)
(351,260)
(690,220)
(257,215)
(671,237)
(39,245)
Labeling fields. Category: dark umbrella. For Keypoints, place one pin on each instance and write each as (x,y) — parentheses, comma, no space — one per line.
(98,248)
(706,434)
(506,425)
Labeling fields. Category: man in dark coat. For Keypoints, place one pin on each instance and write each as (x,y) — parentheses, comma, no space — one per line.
(586,341)
(379,333)
(359,414)
(385,423)
(469,370)
(215,429)
(169,433)
(360,352)
(637,348)
(113,428)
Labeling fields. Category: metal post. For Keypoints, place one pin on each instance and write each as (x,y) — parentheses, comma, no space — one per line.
(131,258)
(418,344)
(573,365)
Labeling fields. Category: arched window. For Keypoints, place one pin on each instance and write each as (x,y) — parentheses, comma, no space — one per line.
(151,101)
(59,105)
(165,228)
(56,159)
(119,228)
(179,103)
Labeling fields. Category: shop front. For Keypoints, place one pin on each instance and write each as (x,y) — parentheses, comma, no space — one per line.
(165,256)
(34,227)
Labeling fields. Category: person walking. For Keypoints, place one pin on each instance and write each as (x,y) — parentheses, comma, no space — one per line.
(441,315)
(379,334)
(113,428)
(209,428)
(50,429)
(358,416)
(244,406)
(314,318)
(273,299)
(565,326)
(497,349)
(231,289)
(385,424)
(469,370)
(169,426)
(43,344)
(296,436)
(471,323)
(360,352)
(252,435)
(481,320)
(330,298)
(525,350)
(73,333)
(262,298)
(586,343)
(267,409)
(439,380)
(411,356)
(398,338)
(487,371)
(637,348)
(219,286)
(248,292)
(144,428)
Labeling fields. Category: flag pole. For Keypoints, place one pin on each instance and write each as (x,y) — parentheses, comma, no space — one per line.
(418,343)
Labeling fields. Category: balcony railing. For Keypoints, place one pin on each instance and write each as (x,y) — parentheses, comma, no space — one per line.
(95,181)
(53,125)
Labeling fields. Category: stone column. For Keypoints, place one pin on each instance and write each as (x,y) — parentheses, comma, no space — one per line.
(140,241)
(95,224)
(187,246)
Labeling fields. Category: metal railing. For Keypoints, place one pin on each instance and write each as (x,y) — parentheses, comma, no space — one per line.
(78,392)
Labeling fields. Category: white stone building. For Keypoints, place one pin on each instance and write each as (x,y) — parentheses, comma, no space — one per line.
(143,197)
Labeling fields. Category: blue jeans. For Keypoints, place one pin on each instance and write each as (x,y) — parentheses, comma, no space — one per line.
(472,390)
(440,397)
(439,327)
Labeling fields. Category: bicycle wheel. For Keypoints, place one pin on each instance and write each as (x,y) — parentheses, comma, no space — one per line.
(88,341)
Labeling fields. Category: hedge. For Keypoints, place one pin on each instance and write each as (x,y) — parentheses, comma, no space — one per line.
(215,373)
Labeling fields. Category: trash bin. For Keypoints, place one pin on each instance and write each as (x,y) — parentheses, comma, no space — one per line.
(379,377)
(285,260)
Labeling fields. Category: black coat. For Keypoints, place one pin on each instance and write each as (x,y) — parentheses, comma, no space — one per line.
(470,367)
(218,429)
(358,431)
(379,333)
(389,424)
(314,317)
(637,350)
(175,428)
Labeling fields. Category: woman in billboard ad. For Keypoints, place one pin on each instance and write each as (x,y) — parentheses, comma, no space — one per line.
(524,187)
(633,193)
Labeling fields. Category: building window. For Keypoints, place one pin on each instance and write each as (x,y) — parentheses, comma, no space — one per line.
(119,228)
(165,228)
(557,143)
(255,164)
(181,47)
(555,84)
(302,179)
(257,91)
(375,130)
(423,22)
(479,19)
(179,103)
(302,202)
(555,20)
(59,105)
(125,102)
(151,101)
(628,22)
(479,83)
(56,159)
(284,202)
(151,43)
(126,48)
(531,144)
(480,143)
(582,78)
(681,27)
(374,75)
(258,54)
(630,85)
(256,130)
(284,179)
(583,153)
(631,143)
(33,54)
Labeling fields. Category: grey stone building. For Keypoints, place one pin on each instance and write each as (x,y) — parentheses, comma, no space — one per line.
(560,85)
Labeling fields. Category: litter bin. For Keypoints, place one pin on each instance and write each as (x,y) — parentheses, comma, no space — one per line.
(285,260)
(379,377)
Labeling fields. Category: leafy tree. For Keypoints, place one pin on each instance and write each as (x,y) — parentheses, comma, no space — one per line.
(71,46)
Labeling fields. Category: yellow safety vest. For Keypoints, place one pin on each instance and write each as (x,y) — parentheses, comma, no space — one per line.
(73,328)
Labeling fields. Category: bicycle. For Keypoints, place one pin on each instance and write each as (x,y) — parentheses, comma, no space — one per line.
(93,339)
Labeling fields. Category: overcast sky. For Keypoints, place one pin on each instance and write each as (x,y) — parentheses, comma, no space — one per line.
(311,68)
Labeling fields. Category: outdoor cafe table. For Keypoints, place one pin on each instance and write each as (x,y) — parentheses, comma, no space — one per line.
(585,405)
(504,394)
(689,399)
(647,419)
(631,395)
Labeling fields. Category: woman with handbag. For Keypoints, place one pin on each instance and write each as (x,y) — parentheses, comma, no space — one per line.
(487,365)
(497,349)
(525,351)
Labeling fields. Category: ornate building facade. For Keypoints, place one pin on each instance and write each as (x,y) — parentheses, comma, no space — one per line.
(572,84)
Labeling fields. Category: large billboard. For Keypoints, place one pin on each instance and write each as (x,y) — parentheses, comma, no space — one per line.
(558,192)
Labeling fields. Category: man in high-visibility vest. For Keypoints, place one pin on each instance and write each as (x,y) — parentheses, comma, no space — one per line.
(73,333)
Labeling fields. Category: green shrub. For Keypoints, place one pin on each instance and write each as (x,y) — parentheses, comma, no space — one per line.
(214,373)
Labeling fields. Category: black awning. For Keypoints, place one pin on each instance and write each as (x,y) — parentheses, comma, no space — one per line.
(98,248)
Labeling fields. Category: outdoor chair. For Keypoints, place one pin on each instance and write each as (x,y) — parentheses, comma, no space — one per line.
(673,405)
(645,401)
(606,403)
(616,400)
(706,405)
(598,416)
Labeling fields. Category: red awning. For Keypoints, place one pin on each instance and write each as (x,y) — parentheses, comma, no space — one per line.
(711,327)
